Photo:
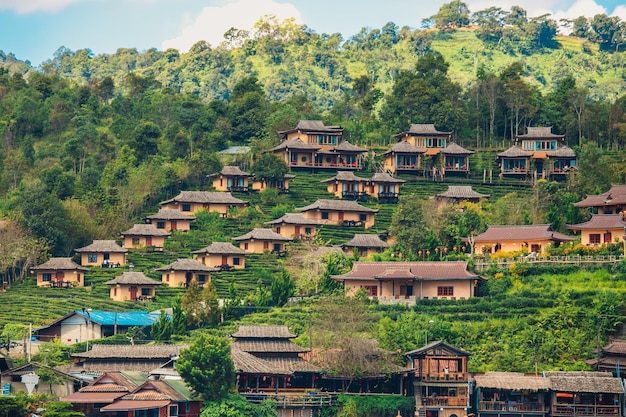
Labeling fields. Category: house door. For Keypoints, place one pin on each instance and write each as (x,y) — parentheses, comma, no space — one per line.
(148,240)
(173,225)
(297,231)
(59,276)
(133,293)
(608,237)
(340,216)
(224,259)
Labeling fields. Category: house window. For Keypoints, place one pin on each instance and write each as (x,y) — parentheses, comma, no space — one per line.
(146,292)
(173,410)
(167,277)
(594,238)
(245,246)
(92,258)
(135,241)
(160,225)
(114,291)
(372,290)
(266,245)
(445,291)
(308,231)
(236,261)
(278,229)
(46,277)
(363,217)
(278,247)
(186,207)
(202,278)
(324,215)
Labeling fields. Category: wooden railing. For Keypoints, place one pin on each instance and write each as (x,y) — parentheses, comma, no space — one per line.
(510,406)
(442,401)
(312,399)
(484,263)
(585,410)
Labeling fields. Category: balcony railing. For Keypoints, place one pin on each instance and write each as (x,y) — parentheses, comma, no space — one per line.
(442,376)
(352,195)
(312,399)
(511,406)
(329,165)
(238,189)
(442,401)
(585,410)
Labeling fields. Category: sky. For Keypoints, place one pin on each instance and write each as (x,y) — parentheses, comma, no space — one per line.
(34,29)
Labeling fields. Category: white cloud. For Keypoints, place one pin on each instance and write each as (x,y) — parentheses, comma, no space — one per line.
(32,6)
(211,24)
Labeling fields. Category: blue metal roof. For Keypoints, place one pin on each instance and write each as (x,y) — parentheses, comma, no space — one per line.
(122,318)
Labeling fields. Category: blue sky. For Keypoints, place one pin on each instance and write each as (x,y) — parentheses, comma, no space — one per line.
(34,29)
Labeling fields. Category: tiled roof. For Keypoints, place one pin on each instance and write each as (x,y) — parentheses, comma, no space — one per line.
(131,351)
(247,363)
(294,218)
(616,347)
(518,233)
(263,332)
(346,146)
(262,234)
(265,346)
(385,177)
(365,241)
(539,133)
(221,248)
(231,171)
(600,221)
(456,149)
(396,273)
(338,205)
(514,152)
(65,264)
(345,176)
(563,152)
(424,129)
(295,144)
(132,278)
(421,270)
(615,196)
(404,147)
(462,191)
(167,214)
(292,364)
(315,125)
(190,265)
(205,197)
(102,246)
(145,230)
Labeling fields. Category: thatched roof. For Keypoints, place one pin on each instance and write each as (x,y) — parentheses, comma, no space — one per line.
(132,278)
(295,144)
(262,234)
(167,214)
(189,265)
(269,346)
(132,351)
(145,230)
(345,176)
(540,133)
(404,147)
(231,171)
(361,240)
(423,129)
(102,246)
(295,218)
(205,197)
(337,205)
(385,177)
(514,152)
(456,149)
(346,146)
(462,192)
(581,381)
(220,248)
(263,332)
(512,381)
(59,264)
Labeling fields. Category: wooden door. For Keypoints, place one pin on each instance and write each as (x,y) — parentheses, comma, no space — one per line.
(133,293)
(173,225)
(224,259)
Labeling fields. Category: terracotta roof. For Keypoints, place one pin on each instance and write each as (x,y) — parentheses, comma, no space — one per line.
(131,351)
(295,144)
(247,363)
(563,152)
(514,152)
(111,382)
(361,240)
(263,332)
(86,397)
(345,176)
(462,191)
(262,234)
(512,381)
(65,264)
(167,214)
(190,265)
(539,133)
(346,146)
(125,405)
(132,278)
(615,347)
(339,205)
(145,230)
(385,177)
(221,248)
(424,129)
(404,147)
(456,149)
(266,346)
(421,270)
(615,196)
(231,171)
(600,221)
(580,381)
(396,273)
(102,246)
(205,197)
(294,218)
(523,232)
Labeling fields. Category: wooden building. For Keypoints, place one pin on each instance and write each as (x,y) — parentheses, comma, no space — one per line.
(455,160)
(61,383)
(132,286)
(103,253)
(145,236)
(262,240)
(282,186)
(232,179)
(181,272)
(601,229)
(222,255)
(525,238)
(191,202)
(143,358)
(383,187)
(403,158)
(441,380)
(295,226)
(456,194)
(512,394)
(104,390)
(339,212)
(365,245)
(610,202)
(60,272)
(610,358)
(346,185)
(171,220)
(514,162)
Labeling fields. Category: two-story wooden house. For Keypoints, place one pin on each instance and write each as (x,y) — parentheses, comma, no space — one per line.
(585,394)
(339,212)
(181,272)
(60,272)
(383,187)
(441,380)
(295,225)
(132,286)
(313,145)
(512,394)
(231,178)
(191,202)
(145,236)
(171,220)
(529,238)
(223,255)
(403,158)
(601,229)
(262,240)
(102,253)
(610,202)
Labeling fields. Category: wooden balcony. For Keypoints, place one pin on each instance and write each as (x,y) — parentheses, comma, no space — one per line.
(442,401)
(585,410)
(356,166)
(284,400)
(388,197)
(238,189)
(524,407)
(352,195)
(442,376)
